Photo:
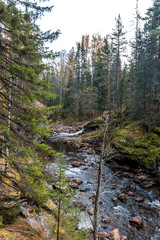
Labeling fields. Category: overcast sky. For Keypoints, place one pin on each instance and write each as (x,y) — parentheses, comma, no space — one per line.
(75,18)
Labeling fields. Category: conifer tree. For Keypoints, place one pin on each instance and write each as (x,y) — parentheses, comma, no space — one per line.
(22,123)
(119,43)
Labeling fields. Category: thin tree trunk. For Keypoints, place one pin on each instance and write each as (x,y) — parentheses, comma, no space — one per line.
(98,190)
(118,66)
(59,217)
(9,123)
(109,89)
(144,115)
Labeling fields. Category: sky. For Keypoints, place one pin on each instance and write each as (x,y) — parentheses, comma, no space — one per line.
(75,18)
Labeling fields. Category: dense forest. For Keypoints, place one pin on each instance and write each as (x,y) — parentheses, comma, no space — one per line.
(99,76)
(97,80)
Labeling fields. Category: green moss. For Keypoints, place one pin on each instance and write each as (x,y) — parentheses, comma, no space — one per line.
(136,146)
(157,130)
(155,138)
(92,136)
(9,214)
(94,124)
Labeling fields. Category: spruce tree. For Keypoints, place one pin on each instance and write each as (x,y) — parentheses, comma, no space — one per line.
(22,122)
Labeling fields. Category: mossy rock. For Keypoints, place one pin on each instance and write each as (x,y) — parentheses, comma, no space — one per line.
(157,130)
(137,146)
(93,125)
(9,214)
(18,231)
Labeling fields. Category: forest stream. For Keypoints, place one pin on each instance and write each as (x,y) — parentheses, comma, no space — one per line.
(124,204)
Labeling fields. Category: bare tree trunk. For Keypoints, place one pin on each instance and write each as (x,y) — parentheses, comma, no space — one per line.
(109,88)
(98,190)
(118,59)
(9,123)
(59,217)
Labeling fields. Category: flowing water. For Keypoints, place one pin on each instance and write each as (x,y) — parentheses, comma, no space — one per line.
(118,211)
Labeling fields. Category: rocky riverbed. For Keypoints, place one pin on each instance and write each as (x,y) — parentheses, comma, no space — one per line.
(130,200)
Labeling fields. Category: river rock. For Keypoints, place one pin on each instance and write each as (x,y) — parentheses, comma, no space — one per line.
(90,211)
(138,198)
(130,193)
(50,206)
(78,181)
(114,199)
(128,174)
(122,197)
(142,177)
(105,226)
(43,222)
(135,221)
(76,164)
(113,186)
(105,219)
(103,236)
(124,238)
(131,188)
(147,184)
(115,235)
(26,211)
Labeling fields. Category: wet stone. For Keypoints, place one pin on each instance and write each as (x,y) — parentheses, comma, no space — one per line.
(147,184)
(90,211)
(134,221)
(122,197)
(124,238)
(142,177)
(138,199)
(105,226)
(105,219)
(130,193)
(76,164)
(114,199)
(132,188)
(115,235)
(86,168)
(78,181)
(103,236)
(82,190)
(113,186)
(127,174)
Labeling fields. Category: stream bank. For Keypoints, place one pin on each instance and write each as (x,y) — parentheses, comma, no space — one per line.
(130,199)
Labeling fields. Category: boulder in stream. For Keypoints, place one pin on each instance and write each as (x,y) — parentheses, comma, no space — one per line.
(90,211)
(138,198)
(136,222)
(76,164)
(78,181)
(130,193)
(103,236)
(124,238)
(115,235)
(105,219)
(122,197)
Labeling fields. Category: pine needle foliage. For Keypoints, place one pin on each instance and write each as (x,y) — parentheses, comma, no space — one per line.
(22,123)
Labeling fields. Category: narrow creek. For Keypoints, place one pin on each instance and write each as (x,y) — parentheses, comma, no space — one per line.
(133,200)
